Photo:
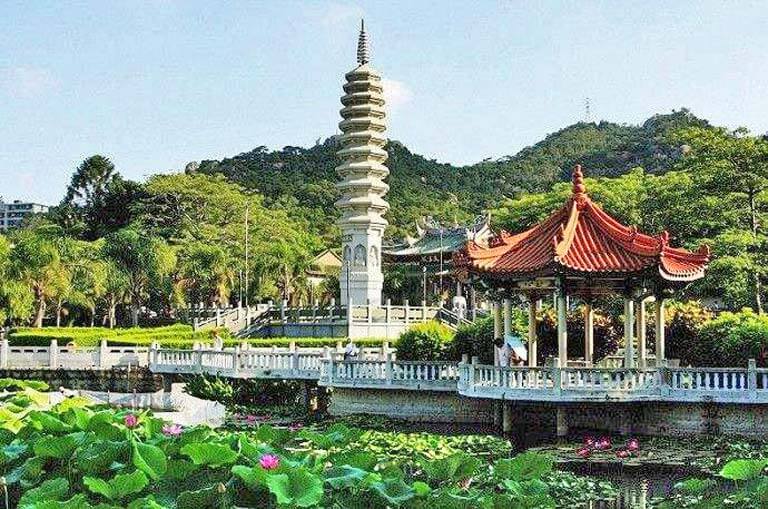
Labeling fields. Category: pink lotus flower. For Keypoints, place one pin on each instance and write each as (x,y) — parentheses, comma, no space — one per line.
(633,445)
(589,441)
(172,430)
(622,454)
(584,452)
(269,462)
(131,421)
(251,419)
(296,426)
(603,444)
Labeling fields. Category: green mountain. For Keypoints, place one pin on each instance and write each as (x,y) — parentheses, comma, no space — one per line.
(301,180)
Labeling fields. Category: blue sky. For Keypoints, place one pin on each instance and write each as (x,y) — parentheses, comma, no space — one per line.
(155,84)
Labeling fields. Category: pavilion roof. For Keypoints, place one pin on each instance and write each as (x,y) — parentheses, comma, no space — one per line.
(581,237)
(434,238)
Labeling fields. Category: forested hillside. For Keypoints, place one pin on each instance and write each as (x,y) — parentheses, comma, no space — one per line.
(301,180)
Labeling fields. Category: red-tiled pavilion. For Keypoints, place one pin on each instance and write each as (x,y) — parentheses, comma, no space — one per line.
(581,250)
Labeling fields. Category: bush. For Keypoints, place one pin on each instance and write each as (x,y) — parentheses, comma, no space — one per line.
(608,331)
(733,338)
(683,336)
(260,393)
(424,342)
(472,340)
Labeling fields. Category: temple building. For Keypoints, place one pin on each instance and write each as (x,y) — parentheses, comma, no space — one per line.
(582,251)
(362,185)
(429,255)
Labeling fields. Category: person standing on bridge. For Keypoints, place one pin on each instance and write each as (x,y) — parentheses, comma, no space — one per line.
(350,351)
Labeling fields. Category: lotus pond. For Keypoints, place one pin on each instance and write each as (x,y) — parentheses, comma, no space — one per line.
(74,455)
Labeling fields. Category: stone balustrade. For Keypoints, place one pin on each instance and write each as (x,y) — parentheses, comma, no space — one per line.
(719,385)
(56,356)
(362,374)
(377,368)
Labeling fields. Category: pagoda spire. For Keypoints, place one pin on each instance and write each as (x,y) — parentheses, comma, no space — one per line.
(577,177)
(363,53)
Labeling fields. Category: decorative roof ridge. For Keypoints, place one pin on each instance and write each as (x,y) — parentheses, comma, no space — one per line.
(703,253)
(567,232)
(628,236)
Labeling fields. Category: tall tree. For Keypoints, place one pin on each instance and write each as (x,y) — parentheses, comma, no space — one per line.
(98,200)
(734,166)
(90,180)
(35,263)
(205,273)
(144,260)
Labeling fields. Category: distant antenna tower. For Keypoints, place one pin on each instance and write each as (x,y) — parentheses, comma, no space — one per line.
(587,111)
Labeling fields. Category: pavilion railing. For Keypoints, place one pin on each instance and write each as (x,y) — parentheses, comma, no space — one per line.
(437,376)
(605,384)
(377,368)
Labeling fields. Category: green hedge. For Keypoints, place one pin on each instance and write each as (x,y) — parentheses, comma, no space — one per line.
(308,342)
(172,336)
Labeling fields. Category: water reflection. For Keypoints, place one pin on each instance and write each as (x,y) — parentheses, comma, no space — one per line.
(637,485)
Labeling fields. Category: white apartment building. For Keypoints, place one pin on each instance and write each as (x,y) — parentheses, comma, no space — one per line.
(12,214)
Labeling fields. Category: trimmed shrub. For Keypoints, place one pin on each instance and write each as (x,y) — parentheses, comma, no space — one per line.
(473,340)
(424,342)
(172,336)
(178,335)
(608,331)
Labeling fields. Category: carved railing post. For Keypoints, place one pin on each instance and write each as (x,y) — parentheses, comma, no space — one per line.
(294,357)
(557,377)
(236,360)
(53,355)
(752,379)
(473,373)
(4,352)
(103,354)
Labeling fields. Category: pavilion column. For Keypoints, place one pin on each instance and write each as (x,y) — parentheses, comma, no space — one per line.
(629,325)
(497,325)
(562,328)
(642,354)
(496,330)
(532,338)
(660,332)
(589,332)
(507,317)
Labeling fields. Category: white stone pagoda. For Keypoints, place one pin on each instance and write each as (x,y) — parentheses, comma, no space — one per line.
(362,185)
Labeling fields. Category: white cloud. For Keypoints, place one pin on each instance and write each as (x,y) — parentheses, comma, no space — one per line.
(28,82)
(396,93)
(335,14)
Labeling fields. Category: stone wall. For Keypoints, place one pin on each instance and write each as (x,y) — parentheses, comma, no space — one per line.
(115,379)
(648,418)
(416,406)
(532,418)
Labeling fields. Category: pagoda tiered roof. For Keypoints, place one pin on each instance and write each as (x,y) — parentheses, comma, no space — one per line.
(581,238)
(433,238)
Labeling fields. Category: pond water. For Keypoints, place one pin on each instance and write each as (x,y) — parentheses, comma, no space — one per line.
(637,485)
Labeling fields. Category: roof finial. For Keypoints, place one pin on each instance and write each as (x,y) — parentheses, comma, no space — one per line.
(363,54)
(578,181)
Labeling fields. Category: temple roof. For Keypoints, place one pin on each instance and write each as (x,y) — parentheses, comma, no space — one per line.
(581,237)
(434,238)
